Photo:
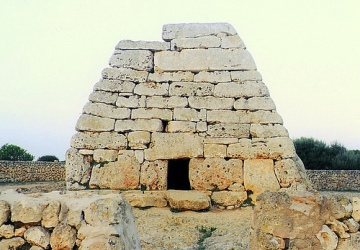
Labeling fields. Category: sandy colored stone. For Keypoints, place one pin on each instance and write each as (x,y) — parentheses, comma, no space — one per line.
(184,76)
(227,116)
(328,239)
(106,111)
(138,139)
(255,103)
(352,225)
(166,102)
(4,211)
(26,211)
(287,172)
(152,88)
(215,173)
(153,175)
(132,59)
(187,200)
(114,86)
(210,102)
(195,42)
(37,236)
(152,113)
(103,97)
(191,89)
(218,140)
(6,231)
(151,125)
(215,150)
(186,114)
(166,146)
(265,117)
(232,42)
(212,77)
(146,199)
(229,130)
(242,76)
(50,215)
(133,101)
(228,198)
(104,243)
(63,237)
(124,74)
(356,208)
(142,45)
(201,126)
(105,155)
(94,123)
(12,243)
(268,131)
(241,149)
(259,176)
(77,168)
(180,126)
(242,89)
(340,229)
(139,154)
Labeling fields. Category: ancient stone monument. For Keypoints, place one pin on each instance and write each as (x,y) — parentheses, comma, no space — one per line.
(189,113)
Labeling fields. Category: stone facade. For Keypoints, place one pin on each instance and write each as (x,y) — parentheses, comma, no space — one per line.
(341,180)
(194,102)
(76,220)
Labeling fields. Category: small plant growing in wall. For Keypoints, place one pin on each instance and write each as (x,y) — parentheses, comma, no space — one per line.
(205,232)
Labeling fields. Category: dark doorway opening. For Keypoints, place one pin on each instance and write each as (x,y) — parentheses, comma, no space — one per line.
(178,174)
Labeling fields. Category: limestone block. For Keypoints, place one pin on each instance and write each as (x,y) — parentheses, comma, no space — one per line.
(122,174)
(196,60)
(340,229)
(19,232)
(195,43)
(132,59)
(228,198)
(212,77)
(180,126)
(142,45)
(152,88)
(138,139)
(174,146)
(287,172)
(133,101)
(215,150)
(255,103)
(201,126)
(356,208)
(166,102)
(328,239)
(185,30)
(352,225)
(109,140)
(105,211)
(103,242)
(145,199)
(94,123)
(241,89)
(228,116)
(106,111)
(105,155)
(152,113)
(274,148)
(139,154)
(37,236)
(27,211)
(182,76)
(6,231)
(265,117)
(4,211)
(154,175)
(186,114)
(232,42)
(191,89)
(187,200)
(225,141)
(50,215)
(241,149)
(63,237)
(210,102)
(77,167)
(125,74)
(139,125)
(214,173)
(114,86)
(243,76)
(103,97)
(259,176)
(229,130)
(268,131)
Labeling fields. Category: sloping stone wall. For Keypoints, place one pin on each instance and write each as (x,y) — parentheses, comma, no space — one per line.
(23,171)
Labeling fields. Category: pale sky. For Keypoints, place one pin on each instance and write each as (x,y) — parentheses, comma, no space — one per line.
(52,53)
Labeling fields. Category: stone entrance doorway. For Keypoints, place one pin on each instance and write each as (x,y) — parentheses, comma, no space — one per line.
(178,174)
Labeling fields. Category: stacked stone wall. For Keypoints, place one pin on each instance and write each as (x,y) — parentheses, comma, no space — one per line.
(28,171)
(334,180)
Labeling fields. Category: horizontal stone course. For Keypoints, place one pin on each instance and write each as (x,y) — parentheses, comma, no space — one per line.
(142,45)
(133,59)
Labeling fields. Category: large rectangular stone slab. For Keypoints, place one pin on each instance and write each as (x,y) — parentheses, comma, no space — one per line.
(197,60)
(166,102)
(109,140)
(154,175)
(241,89)
(197,42)
(152,88)
(103,97)
(210,102)
(139,125)
(94,123)
(229,130)
(142,45)
(115,86)
(213,77)
(174,146)
(191,89)
(151,113)
(125,74)
(133,59)
(182,76)
(106,111)
(227,116)
(255,103)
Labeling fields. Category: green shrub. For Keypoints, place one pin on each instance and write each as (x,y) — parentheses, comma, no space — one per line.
(49,158)
(10,152)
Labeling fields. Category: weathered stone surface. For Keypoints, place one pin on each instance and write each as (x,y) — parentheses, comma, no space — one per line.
(212,77)
(186,114)
(167,146)
(146,199)
(187,200)
(4,212)
(139,125)
(109,140)
(265,117)
(180,126)
(94,123)
(6,231)
(191,89)
(215,150)
(356,208)
(121,174)
(152,113)
(242,76)
(26,211)
(210,102)
(340,229)
(229,130)
(255,103)
(352,225)
(138,139)
(185,30)
(287,173)
(182,76)
(194,43)
(268,131)
(77,168)
(106,111)
(232,42)
(196,60)
(133,59)
(228,198)
(152,88)
(103,97)
(12,243)
(273,148)
(166,102)
(242,89)
(259,176)
(125,74)
(214,140)
(241,149)
(106,211)
(63,237)
(328,239)
(214,173)
(50,215)
(139,154)
(133,101)
(37,236)
(114,86)
(227,116)
(154,175)
(105,155)
(104,243)
(142,45)
(201,126)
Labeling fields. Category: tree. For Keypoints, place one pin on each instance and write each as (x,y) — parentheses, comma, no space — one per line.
(49,158)
(10,152)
